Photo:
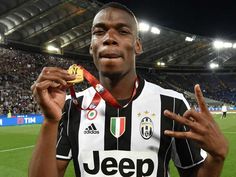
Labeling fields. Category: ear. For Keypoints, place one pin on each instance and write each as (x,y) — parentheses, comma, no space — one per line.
(91,50)
(138,47)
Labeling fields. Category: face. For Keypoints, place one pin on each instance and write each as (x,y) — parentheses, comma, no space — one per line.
(114,43)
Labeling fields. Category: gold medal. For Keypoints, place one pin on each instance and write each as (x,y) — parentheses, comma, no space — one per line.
(75,69)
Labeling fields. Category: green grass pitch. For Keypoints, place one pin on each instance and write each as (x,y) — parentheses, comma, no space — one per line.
(17,142)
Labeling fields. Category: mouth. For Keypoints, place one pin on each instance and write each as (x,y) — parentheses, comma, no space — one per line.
(109,56)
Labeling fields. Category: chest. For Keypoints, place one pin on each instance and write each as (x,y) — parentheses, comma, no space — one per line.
(139,126)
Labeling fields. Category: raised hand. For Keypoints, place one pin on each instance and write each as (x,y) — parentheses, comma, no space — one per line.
(203,128)
(49,91)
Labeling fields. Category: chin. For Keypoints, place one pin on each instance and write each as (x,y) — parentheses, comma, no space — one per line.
(112,74)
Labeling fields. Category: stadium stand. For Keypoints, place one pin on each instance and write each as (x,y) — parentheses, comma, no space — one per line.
(19,69)
(219,86)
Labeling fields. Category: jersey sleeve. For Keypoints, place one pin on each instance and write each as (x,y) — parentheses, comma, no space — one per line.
(63,147)
(185,152)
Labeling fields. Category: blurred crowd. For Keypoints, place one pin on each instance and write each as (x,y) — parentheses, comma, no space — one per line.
(19,69)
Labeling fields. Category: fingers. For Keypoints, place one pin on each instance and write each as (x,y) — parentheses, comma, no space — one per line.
(182,135)
(55,75)
(46,84)
(195,128)
(41,88)
(202,118)
(200,99)
(51,80)
(188,120)
(178,118)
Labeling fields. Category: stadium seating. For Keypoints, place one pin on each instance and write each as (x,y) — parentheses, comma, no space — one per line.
(19,69)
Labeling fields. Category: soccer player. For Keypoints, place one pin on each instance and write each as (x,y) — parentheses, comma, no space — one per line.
(136,137)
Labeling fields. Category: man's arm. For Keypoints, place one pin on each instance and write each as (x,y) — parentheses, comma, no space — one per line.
(206,133)
(44,162)
(49,92)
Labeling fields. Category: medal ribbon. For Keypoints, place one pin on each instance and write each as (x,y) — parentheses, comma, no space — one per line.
(101,92)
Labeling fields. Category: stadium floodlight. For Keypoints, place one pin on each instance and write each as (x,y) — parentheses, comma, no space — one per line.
(227,45)
(218,44)
(160,64)
(52,48)
(155,30)
(163,64)
(1,38)
(234,46)
(189,39)
(214,65)
(144,27)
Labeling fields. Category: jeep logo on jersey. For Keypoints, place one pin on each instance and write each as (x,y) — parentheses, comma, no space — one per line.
(113,164)
(146,128)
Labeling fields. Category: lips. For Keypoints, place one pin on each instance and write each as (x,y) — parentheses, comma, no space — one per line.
(109,55)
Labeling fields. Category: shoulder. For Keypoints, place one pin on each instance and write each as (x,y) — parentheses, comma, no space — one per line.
(151,90)
(154,88)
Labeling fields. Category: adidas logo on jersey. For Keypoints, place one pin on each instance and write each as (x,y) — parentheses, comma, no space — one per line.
(91,129)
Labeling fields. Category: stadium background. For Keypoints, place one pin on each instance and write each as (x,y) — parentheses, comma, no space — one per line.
(34,34)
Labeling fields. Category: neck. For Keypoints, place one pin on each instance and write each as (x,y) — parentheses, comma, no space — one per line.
(122,87)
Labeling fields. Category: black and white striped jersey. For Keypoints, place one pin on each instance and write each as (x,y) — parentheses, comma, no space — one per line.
(130,141)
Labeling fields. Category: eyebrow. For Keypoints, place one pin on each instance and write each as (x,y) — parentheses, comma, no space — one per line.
(118,25)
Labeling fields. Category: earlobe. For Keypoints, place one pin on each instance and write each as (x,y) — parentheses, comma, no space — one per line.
(138,47)
(90,50)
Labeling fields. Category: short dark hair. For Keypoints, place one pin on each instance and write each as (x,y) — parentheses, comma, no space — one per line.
(117,6)
(121,7)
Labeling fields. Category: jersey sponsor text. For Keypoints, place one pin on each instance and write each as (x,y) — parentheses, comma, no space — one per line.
(119,163)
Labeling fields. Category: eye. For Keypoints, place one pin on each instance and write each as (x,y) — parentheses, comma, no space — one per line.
(98,32)
(123,31)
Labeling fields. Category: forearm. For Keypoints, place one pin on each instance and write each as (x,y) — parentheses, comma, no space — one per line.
(43,162)
(211,167)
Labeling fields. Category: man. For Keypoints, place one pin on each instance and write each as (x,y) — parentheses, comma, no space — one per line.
(134,139)
(224,111)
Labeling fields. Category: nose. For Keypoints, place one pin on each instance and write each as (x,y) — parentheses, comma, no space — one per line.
(110,38)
